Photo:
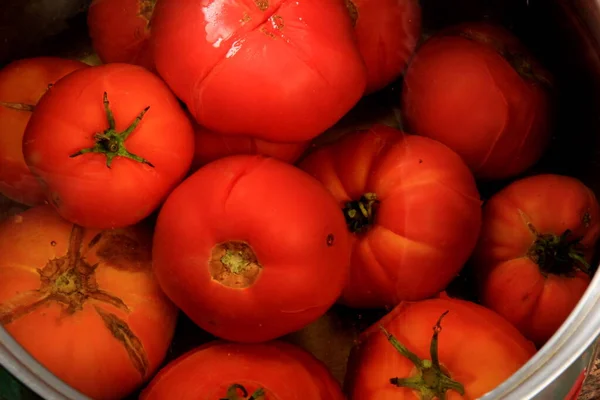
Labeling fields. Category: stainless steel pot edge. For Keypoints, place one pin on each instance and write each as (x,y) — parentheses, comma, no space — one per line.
(31,373)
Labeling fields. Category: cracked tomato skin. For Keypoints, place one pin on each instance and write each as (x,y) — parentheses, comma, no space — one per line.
(461,89)
(427,221)
(278,70)
(387,32)
(271,210)
(120,31)
(24,82)
(283,370)
(212,146)
(84,189)
(513,284)
(75,342)
(493,352)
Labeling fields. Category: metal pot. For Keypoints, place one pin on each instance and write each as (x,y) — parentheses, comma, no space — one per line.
(564,34)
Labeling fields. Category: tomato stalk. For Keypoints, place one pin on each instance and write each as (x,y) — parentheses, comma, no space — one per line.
(431,381)
(112,143)
(360,214)
(557,254)
(233,393)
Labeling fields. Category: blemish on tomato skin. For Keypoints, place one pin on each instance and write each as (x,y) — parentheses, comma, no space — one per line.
(262,5)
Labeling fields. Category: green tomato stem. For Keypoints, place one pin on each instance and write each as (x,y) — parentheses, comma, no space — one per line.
(233,393)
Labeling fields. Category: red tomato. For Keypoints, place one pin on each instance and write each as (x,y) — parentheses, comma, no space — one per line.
(84,302)
(412,207)
(251,248)
(537,239)
(387,33)
(280,70)
(22,83)
(476,89)
(476,350)
(234,371)
(211,146)
(102,161)
(120,31)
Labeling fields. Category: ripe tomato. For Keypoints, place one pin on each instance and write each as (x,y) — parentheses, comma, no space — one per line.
(108,143)
(281,70)
(84,302)
(387,33)
(22,83)
(475,88)
(467,369)
(412,207)
(251,248)
(211,146)
(537,239)
(120,31)
(233,371)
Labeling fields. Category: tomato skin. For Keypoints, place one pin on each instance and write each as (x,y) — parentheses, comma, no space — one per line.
(293,227)
(284,74)
(120,31)
(493,352)
(428,218)
(24,82)
(212,146)
(76,345)
(387,32)
(463,92)
(285,371)
(510,282)
(83,189)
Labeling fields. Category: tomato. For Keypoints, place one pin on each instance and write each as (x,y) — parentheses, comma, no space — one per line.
(387,32)
(251,248)
(108,144)
(120,31)
(211,146)
(475,349)
(280,70)
(475,88)
(22,83)
(274,370)
(538,236)
(412,208)
(84,302)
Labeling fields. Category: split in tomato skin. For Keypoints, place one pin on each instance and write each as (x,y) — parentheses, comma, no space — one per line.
(411,206)
(280,70)
(274,370)
(120,143)
(477,89)
(22,83)
(532,260)
(251,248)
(83,302)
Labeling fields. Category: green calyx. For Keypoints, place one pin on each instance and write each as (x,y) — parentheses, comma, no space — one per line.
(430,381)
(557,254)
(360,214)
(233,393)
(112,143)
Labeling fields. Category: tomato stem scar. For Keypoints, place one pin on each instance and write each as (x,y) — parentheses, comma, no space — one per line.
(360,214)
(557,254)
(232,393)
(18,106)
(112,143)
(431,380)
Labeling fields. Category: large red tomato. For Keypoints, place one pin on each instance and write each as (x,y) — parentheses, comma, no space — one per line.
(475,88)
(108,143)
(279,70)
(22,83)
(473,350)
(251,248)
(84,303)
(412,207)
(211,146)
(234,371)
(538,236)
(120,30)
(387,33)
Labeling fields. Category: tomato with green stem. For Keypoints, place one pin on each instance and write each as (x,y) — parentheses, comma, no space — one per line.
(532,261)
(108,144)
